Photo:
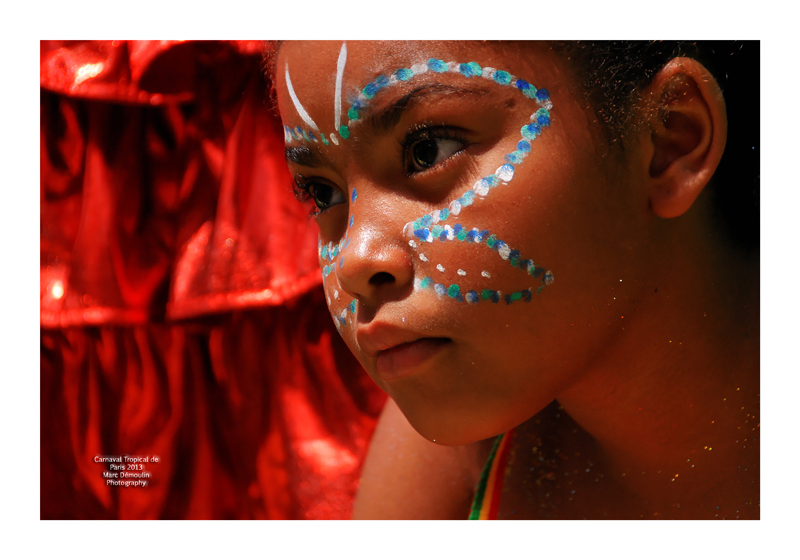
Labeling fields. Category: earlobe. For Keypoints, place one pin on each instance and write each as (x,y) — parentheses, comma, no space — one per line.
(687,135)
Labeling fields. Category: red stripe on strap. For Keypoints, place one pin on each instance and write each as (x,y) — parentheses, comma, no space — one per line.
(500,461)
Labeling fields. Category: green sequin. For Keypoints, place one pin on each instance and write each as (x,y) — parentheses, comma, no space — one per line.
(403,74)
(344,132)
(502,77)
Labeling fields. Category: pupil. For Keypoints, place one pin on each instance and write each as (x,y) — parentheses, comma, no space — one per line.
(322,196)
(425,153)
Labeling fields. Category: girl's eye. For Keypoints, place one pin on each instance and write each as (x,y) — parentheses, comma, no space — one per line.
(324,195)
(427,153)
(427,147)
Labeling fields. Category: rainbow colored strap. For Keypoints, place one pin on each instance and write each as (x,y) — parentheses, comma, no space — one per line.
(490,487)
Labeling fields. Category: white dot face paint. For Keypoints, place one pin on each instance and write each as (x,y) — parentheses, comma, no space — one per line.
(505,173)
(504,251)
(481,188)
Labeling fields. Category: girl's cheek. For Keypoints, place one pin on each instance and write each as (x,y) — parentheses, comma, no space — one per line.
(472,262)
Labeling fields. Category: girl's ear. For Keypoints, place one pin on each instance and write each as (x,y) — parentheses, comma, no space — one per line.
(686,136)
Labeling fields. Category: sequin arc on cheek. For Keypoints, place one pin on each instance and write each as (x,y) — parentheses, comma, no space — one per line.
(328,254)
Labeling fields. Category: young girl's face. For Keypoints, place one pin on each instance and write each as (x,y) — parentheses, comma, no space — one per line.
(480,247)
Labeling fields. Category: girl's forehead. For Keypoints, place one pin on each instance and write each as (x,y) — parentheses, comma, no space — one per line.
(365,59)
(337,81)
(366,55)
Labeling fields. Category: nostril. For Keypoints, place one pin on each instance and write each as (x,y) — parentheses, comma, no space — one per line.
(381,278)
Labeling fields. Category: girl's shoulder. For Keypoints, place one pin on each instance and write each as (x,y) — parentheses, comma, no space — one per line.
(406,476)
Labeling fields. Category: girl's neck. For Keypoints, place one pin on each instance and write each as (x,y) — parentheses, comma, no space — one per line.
(673,404)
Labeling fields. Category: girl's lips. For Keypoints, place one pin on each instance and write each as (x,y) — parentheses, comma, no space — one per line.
(404,358)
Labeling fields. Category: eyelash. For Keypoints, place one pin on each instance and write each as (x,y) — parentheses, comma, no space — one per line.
(422,132)
(303,191)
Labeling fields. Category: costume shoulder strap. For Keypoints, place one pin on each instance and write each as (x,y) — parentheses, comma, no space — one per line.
(490,486)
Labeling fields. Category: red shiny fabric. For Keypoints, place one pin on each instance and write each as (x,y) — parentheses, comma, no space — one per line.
(181,310)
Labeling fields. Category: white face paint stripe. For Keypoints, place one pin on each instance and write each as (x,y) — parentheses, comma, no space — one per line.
(337,108)
(300,110)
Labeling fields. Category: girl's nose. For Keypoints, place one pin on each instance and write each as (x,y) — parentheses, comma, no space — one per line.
(375,264)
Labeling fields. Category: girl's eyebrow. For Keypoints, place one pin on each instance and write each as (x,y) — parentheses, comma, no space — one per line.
(387,118)
(302,156)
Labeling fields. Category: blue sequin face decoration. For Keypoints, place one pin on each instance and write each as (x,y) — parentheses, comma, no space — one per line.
(328,254)
(441,226)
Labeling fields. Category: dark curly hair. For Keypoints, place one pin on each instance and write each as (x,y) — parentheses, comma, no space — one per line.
(613,75)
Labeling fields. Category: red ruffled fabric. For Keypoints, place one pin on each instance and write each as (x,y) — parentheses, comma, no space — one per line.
(180,304)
